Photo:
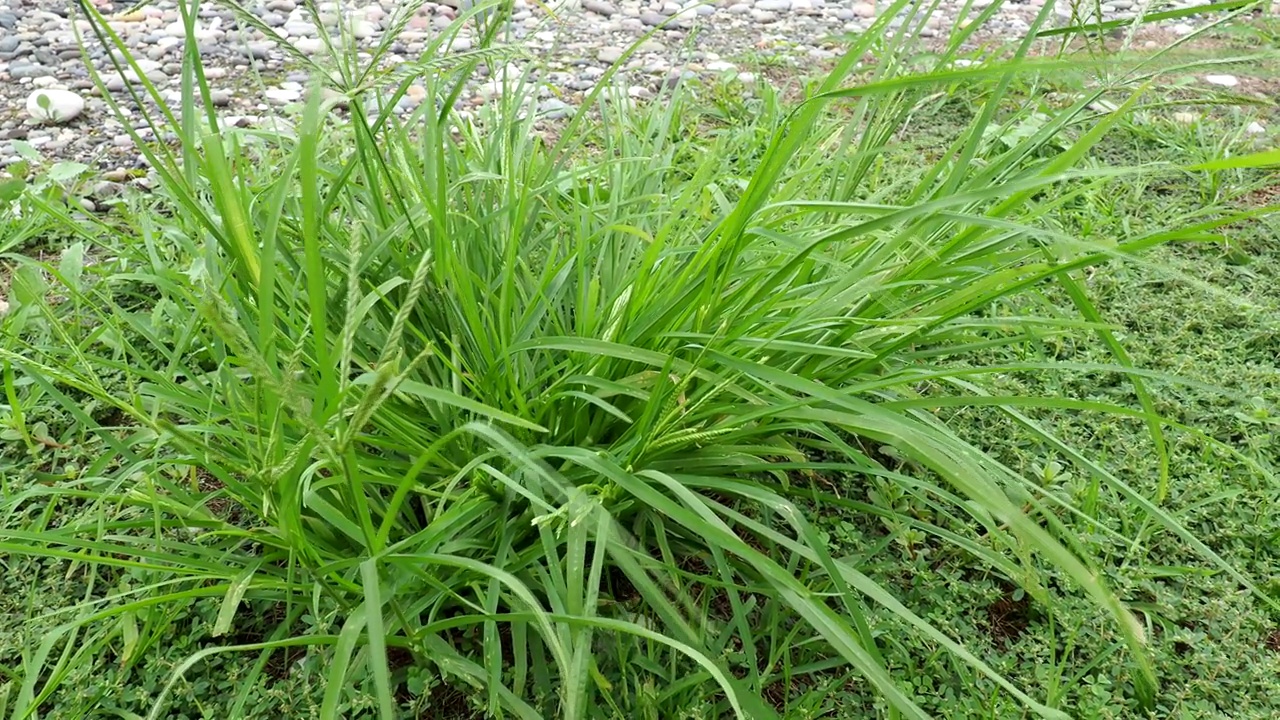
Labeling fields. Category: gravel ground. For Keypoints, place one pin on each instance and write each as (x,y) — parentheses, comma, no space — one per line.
(48,100)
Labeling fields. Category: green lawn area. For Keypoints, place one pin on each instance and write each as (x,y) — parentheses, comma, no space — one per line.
(909,390)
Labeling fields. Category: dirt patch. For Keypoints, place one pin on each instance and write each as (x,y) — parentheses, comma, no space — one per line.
(1272,641)
(1263,196)
(449,703)
(1008,619)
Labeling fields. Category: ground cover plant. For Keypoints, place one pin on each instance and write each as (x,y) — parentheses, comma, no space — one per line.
(665,412)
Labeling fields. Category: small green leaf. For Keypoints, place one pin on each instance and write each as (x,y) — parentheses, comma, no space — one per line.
(66,171)
(29,286)
(72,265)
(11,190)
(26,151)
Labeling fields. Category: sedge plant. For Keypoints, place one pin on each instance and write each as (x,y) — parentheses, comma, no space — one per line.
(536,410)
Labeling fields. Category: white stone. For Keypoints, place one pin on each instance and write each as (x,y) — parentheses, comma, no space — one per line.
(1255,128)
(863,10)
(1186,118)
(1223,80)
(362,29)
(282,95)
(54,106)
(309,45)
(489,90)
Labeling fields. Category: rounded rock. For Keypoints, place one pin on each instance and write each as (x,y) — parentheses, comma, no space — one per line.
(54,107)
(362,29)
(20,70)
(282,95)
(600,7)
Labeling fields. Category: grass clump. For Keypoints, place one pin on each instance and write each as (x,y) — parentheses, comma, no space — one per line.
(433,409)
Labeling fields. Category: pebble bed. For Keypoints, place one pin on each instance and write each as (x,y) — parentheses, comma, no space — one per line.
(49,101)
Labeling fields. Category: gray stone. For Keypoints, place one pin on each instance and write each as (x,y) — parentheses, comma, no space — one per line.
(257,50)
(554,109)
(107,189)
(651,18)
(600,7)
(17,71)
